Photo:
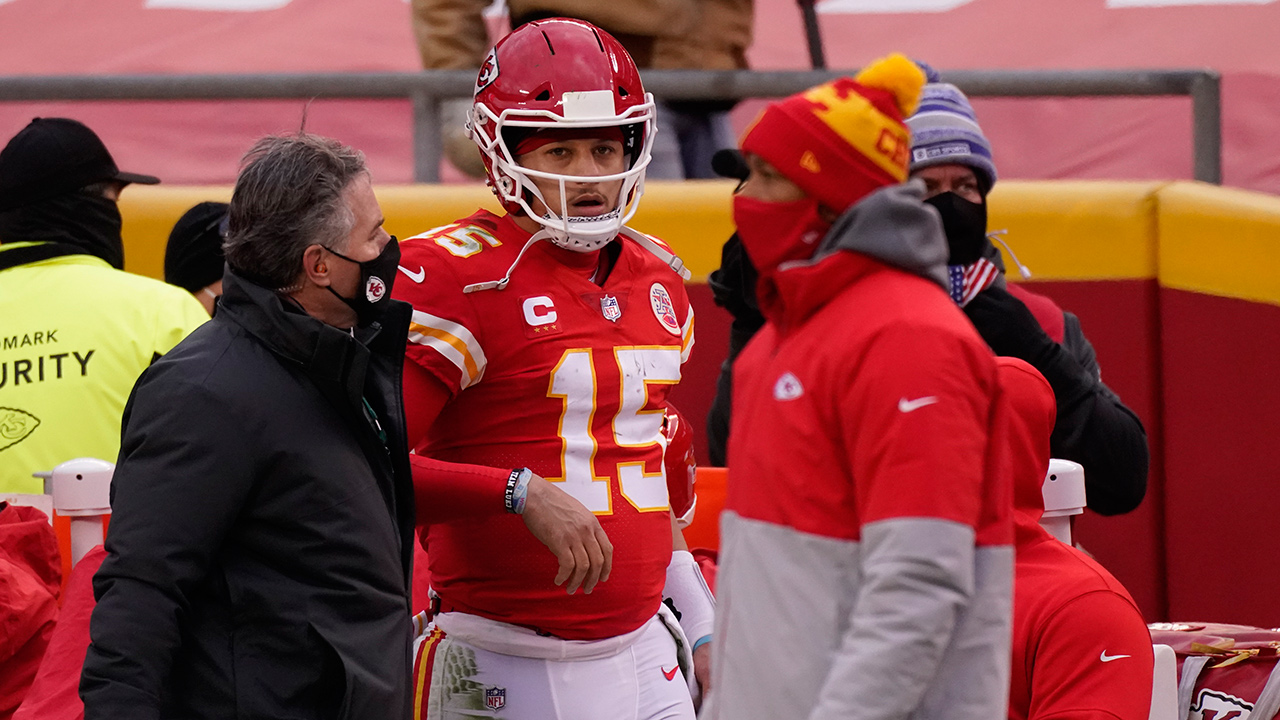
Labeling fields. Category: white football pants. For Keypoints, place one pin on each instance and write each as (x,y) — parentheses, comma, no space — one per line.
(470,667)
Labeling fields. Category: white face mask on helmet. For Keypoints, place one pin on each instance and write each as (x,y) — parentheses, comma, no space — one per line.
(515,184)
(562,74)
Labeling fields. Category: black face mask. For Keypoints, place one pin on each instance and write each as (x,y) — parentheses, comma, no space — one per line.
(965,224)
(377,276)
(87,221)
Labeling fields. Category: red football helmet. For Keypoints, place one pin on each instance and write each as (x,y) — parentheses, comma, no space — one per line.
(681,466)
(562,73)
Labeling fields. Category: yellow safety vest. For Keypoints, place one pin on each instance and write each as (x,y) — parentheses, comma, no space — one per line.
(75,334)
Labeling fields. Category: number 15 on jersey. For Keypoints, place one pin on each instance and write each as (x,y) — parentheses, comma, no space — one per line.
(634,427)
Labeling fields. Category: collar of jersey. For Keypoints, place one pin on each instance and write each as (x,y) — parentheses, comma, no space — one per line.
(583,264)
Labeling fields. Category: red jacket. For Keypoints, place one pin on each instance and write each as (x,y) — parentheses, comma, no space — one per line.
(55,693)
(866,552)
(30,576)
(1080,647)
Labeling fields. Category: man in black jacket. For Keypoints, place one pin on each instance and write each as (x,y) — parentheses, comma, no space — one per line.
(261,540)
(1093,427)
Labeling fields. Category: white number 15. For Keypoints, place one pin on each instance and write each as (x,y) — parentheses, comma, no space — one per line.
(573,381)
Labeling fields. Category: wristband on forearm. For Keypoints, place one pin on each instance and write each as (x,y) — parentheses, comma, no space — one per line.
(517,491)
(690,597)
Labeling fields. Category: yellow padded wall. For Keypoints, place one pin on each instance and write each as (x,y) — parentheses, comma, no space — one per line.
(149,212)
(1192,236)
(1077,230)
(1220,241)
(695,217)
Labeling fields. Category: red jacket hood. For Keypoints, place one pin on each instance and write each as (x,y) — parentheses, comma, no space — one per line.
(1031,411)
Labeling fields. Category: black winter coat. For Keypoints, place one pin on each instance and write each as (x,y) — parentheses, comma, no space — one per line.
(260,548)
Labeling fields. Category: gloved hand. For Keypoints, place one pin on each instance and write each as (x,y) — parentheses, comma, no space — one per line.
(1012,330)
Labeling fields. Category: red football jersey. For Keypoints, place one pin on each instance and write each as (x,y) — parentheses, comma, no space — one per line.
(562,376)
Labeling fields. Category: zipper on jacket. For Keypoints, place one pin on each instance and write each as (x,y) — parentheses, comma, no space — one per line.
(372,418)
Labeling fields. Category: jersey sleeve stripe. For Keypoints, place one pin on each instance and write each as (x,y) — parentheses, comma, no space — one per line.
(686,338)
(452,348)
(453,341)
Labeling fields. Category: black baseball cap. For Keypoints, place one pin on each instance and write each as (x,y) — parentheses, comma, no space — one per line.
(193,256)
(53,156)
(729,163)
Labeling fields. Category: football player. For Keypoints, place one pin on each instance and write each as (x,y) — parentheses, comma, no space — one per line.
(544,344)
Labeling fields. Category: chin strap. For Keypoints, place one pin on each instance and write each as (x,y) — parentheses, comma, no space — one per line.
(668,258)
(502,284)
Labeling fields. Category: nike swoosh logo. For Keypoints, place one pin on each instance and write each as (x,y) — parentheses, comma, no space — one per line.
(1104,657)
(906,406)
(669,675)
(416,277)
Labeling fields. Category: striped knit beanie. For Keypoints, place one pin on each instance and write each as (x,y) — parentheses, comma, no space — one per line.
(844,139)
(945,131)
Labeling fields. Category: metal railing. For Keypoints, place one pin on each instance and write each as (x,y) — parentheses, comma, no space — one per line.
(426,89)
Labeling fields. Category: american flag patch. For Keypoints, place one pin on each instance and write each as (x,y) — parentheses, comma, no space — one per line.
(969,280)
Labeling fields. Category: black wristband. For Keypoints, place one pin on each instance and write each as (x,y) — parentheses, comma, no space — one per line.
(517,491)
(509,495)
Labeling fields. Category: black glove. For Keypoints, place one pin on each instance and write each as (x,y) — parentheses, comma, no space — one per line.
(1092,427)
(1011,330)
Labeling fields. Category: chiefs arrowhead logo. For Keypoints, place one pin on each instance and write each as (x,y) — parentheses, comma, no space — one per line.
(375,288)
(15,426)
(488,72)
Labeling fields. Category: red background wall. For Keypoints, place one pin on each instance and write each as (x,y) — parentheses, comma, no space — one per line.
(1120,318)
(1221,433)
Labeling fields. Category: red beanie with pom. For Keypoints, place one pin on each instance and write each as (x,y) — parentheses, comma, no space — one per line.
(844,139)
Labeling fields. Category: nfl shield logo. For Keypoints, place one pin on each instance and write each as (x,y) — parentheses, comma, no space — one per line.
(495,698)
(609,306)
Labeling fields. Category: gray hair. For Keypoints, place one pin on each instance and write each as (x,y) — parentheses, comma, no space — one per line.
(288,197)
